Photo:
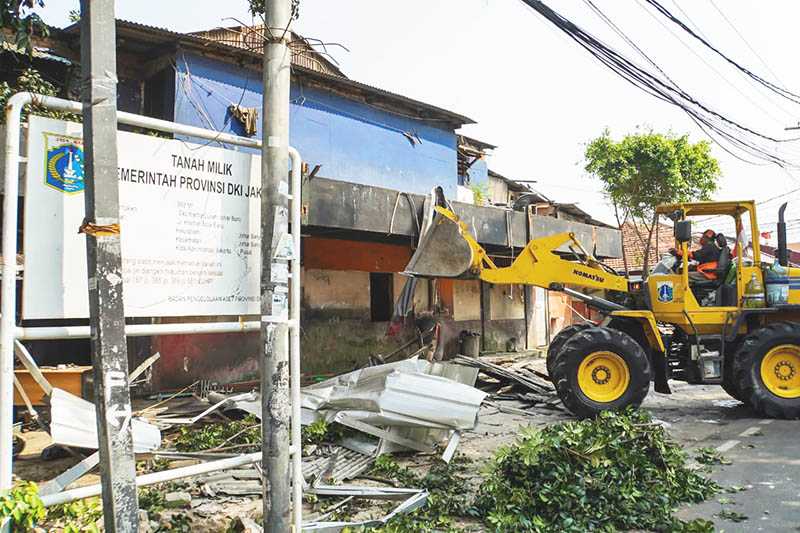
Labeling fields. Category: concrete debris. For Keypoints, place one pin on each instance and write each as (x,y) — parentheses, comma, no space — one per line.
(245,525)
(144,522)
(234,482)
(177,500)
(73,424)
(405,405)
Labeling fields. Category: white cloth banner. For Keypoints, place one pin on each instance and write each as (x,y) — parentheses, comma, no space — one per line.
(189,219)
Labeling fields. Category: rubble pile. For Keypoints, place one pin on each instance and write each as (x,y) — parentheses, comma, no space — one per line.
(213,441)
(509,379)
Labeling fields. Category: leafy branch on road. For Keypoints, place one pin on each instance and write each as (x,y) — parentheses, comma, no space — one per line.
(618,472)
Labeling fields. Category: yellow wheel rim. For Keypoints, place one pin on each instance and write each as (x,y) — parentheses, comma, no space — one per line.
(603,376)
(780,371)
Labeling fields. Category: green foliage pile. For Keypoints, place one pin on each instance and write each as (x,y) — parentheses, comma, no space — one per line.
(448,494)
(616,473)
(710,456)
(23,505)
(320,431)
(80,516)
(245,433)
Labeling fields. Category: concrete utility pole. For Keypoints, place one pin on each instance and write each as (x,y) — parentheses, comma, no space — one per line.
(101,226)
(275,242)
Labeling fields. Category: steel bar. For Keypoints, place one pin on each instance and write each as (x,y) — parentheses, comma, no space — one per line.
(68,476)
(136,330)
(273,361)
(33,369)
(156,477)
(294,353)
(8,288)
(101,226)
(142,368)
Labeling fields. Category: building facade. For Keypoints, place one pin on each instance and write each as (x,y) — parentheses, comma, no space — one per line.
(372,157)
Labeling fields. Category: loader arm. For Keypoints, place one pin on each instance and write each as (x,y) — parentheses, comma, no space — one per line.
(448,249)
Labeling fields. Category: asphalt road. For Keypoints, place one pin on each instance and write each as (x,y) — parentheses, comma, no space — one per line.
(765,463)
(764,454)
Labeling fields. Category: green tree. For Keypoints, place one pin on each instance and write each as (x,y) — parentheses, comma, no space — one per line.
(257,7)
(644,170)
(20,18)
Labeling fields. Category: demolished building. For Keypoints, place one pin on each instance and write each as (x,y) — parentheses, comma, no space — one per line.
(372,157)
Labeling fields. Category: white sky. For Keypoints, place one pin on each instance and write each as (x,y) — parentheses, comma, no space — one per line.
(534,92)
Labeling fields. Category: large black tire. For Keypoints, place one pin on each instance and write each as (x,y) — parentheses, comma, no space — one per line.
(588,343)
(747,370)
(560,340)
(729,383)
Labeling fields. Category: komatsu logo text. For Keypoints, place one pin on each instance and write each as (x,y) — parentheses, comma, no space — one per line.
(589,276)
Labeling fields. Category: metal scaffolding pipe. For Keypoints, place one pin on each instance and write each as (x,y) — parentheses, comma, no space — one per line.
(8,285)
(136,330)
(154,478)
(294,346)
(9,332)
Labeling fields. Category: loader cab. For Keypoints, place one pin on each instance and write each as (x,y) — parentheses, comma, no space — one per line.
(700,305)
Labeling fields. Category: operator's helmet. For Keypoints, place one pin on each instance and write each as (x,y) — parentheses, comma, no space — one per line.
(708,236)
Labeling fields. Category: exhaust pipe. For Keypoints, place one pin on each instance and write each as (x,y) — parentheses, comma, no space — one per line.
(783,249)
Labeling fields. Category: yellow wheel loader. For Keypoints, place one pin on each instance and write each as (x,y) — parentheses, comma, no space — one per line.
(671,326)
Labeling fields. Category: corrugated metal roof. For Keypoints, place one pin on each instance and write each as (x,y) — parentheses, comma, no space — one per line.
(252,38)
(427,111)
(38,52)
(480,145)
(127,30)
(519,187)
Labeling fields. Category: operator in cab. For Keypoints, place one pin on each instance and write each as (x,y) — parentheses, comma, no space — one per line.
(707,257)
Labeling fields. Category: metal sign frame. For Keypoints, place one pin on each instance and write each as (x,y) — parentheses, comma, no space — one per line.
(10,332)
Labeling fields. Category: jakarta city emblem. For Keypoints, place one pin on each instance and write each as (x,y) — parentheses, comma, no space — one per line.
(666,292)
(64,163)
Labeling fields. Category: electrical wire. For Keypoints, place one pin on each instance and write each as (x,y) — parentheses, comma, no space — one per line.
(785,93)
(729,134)
(187,78)
(746,42)
(760,202)
(712,67)
(768,95)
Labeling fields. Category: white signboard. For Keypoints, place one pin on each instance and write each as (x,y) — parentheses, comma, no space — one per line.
(189,219)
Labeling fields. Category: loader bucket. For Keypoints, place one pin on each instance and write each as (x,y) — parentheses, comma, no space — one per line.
(442,252)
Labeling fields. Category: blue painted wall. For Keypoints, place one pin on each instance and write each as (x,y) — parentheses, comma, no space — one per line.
(478,174)
(352,141)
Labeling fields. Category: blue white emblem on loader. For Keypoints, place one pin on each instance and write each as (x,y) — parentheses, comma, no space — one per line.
(666,291)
